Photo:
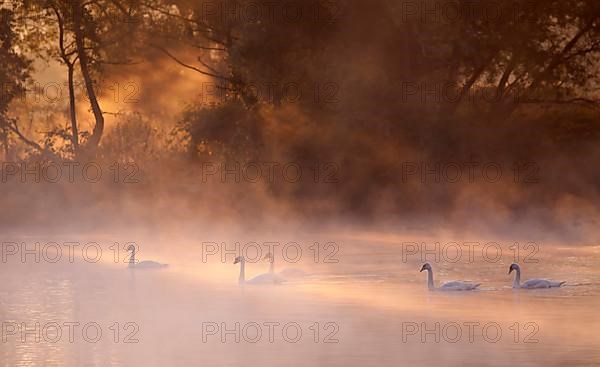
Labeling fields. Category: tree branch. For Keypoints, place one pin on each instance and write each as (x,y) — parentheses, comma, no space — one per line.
(191,67)
(12,125)
(560,57)
(592,103)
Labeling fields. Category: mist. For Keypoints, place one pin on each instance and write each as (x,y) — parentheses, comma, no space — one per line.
(290,167)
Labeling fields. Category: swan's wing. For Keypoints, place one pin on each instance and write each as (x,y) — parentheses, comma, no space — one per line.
(149,265)
(266,278)
(277,278)
(534,283)
(458,286)
(293,273)
(540,283)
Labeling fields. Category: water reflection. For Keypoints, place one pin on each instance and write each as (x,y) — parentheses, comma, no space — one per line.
(380,306)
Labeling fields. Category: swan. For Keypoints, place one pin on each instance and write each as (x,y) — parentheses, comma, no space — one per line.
(267,278)
(449,286)
(531,283)
(287,272)
(142,264)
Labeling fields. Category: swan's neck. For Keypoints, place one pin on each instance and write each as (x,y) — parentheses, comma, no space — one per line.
(132,259)
(272,266)
(517,281)
(430,280)
(242,279)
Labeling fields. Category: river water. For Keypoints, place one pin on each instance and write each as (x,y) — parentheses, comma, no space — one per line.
(367,304)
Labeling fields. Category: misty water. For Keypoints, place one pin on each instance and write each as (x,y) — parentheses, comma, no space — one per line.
(368,306)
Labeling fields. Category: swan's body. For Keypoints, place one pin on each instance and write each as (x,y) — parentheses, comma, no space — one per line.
(458,286)
(148,264)
(267,278)
(293,273)
(449,286)
(531,283)
(285,273)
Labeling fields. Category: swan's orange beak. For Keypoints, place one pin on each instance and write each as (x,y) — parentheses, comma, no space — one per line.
(237,260)
(510,270)
(422,268)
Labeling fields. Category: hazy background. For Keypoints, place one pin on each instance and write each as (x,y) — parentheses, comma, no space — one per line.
(383,99)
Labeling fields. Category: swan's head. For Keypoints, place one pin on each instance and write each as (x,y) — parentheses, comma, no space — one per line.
(425,266)
(238,259)
(513,266)
(131,248)
(268,256)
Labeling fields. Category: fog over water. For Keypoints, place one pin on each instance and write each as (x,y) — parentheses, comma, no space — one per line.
(368,305)
(256,183)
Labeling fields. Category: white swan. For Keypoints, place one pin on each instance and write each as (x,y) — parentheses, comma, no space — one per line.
(531,283)
(449,286)
(287,272)
(143,264)
(267,278)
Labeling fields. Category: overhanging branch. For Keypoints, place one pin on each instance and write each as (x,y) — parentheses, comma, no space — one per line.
(191,67)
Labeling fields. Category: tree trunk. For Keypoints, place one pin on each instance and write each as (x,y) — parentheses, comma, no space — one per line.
(4,138)
(452,107)
(92,144)
(72,112)
(70,69)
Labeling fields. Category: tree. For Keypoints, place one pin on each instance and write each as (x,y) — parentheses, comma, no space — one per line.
(253,50)
(535,51)
(13,75)
(90,34)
